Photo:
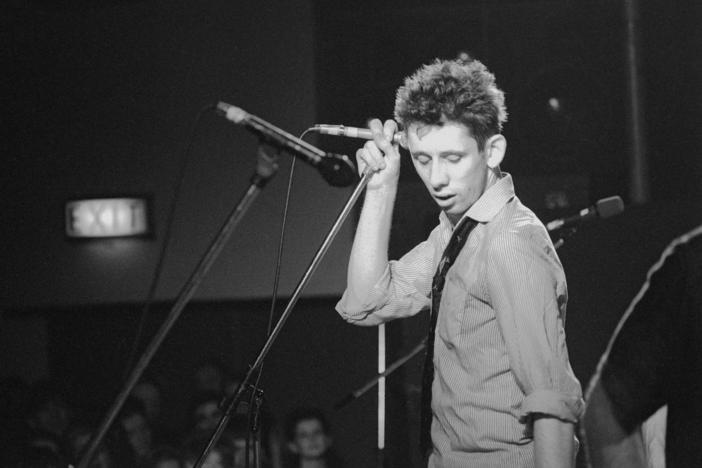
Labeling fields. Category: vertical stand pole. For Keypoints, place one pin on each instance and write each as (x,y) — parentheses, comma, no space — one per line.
(381,395)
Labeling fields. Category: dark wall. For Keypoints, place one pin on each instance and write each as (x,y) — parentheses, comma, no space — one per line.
(100,99)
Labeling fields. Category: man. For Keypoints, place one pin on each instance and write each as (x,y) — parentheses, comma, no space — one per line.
(653,361)
(503,392)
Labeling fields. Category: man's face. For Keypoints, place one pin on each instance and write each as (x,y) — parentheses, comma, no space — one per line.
(310,440)
(449,163)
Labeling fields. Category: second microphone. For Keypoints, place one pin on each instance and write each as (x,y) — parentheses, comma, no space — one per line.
(351,132)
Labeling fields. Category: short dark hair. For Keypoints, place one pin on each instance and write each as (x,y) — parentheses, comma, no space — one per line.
(461,90)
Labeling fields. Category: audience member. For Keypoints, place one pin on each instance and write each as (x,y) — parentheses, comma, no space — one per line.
(209,376)
(220,456)
(309,441)
(48,416)
(77,440)
(132,419)
(166,456)
(204,412)
(149,394)
(212,375)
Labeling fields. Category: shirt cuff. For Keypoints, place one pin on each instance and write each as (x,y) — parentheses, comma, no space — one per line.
(564,407)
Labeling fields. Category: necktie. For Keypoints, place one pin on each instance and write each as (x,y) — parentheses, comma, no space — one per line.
(458,240)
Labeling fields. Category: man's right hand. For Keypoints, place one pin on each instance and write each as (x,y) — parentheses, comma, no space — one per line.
(380,155)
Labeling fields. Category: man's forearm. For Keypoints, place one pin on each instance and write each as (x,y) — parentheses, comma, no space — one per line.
(554,442)
(369,253)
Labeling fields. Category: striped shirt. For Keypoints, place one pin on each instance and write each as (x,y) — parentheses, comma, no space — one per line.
(500,352)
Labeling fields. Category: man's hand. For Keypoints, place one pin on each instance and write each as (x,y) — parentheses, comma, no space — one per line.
(380,155)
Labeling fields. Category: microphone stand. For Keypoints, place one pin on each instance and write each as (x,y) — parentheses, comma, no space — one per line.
(265,169)
(563,235)
(230,405)
(371,383)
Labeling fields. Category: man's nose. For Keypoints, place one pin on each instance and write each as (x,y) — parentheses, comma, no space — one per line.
(438,177)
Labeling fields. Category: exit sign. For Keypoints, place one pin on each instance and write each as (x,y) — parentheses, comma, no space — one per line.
(107,217)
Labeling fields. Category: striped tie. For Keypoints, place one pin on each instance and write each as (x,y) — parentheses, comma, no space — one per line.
(458,240)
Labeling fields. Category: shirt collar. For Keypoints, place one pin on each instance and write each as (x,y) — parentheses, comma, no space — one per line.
(490,202)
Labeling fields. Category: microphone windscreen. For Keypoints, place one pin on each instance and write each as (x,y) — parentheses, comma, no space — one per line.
(610,206)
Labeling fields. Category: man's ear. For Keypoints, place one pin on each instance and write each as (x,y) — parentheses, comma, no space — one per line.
(495,148)
(293,447)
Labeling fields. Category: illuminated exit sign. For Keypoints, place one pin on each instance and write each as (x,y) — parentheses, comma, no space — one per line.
(107,217)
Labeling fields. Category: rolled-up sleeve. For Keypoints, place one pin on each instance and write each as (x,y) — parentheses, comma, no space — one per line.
(402,290)
(528,291)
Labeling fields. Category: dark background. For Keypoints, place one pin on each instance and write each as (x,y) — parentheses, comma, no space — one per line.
(101,98)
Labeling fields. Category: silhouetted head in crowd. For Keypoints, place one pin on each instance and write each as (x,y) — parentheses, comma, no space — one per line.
(220,456)
(204,413)
(209,376)
(47,416)
(309,440)
(133,421)
(148,393)
(48,410)
(166,457)
(78,437)
(212,375)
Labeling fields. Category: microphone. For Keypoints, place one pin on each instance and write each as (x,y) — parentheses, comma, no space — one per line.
(604,208)
(351,132)
(336,169)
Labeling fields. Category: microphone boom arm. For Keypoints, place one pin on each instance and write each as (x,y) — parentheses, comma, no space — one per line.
(265,170)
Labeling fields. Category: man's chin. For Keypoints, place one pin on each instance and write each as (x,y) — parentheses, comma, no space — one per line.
(454,215)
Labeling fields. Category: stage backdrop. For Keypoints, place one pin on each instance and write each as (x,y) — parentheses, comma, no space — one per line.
(101,99)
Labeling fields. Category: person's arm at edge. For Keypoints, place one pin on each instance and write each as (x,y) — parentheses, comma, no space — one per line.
(606,442)
(611,428)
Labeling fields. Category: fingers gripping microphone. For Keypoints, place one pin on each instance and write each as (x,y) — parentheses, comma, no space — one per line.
(604,208)
(351,132)
(336,169)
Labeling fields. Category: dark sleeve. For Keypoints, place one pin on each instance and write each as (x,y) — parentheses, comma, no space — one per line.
(638,371)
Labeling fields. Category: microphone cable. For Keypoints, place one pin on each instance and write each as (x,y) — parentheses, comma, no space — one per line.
(180,177)
(274,297)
